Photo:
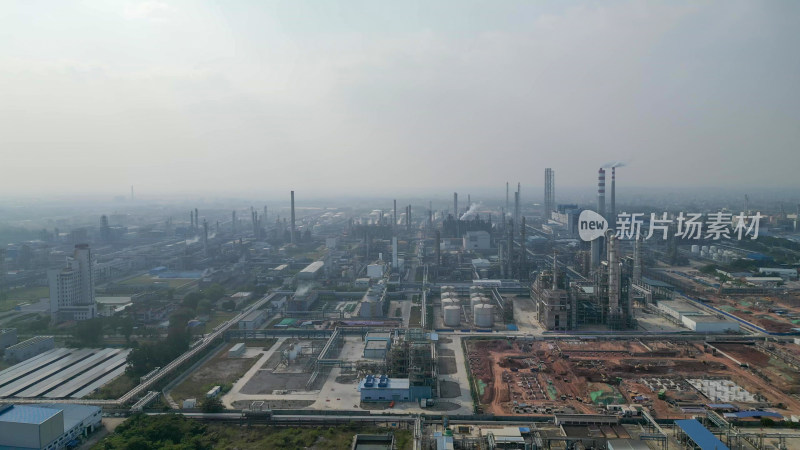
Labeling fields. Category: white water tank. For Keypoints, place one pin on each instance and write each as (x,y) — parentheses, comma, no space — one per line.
(484,315)
(452,316)
(477,301)
(450,302)
(449,295)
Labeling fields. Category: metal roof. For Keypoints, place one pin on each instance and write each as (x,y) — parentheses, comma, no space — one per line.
(700,435)
(748,414)
(73,414)
(27,414)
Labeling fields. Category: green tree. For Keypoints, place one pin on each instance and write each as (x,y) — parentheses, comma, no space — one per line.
(212,405)
(89,332)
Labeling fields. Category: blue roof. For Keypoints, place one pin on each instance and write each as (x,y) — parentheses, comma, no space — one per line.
(721,406)
(746,414)
(27,414)
(700,435)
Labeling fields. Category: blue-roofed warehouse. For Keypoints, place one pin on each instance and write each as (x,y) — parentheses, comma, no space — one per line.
(693,431)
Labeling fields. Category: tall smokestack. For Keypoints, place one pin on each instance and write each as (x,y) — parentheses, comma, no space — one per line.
(395,263)
(612,219)
(292,230)
(191,219)
(506,200)
(394,225)
(516,208)
(613,276)
(510,249)
(196,218)
(549,192)
(601,192)
(637,260)
(205,236)
(438,247)
(523,256)
(264,218)
(555,271)
(131,192)
(455,205)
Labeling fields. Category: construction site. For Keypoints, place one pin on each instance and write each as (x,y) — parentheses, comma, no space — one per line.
(668,379)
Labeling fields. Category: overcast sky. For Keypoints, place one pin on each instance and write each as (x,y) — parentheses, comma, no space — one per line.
(380,96)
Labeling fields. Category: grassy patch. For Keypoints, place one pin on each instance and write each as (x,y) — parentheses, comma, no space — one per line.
(174,430)
(218,317)
(148,279)
(116,388)
(414,317)
(218,371)
(15,297)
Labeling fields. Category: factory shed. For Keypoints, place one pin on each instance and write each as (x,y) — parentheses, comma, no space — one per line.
(753,415)
(376,345)
(254,320)
(237,350)
(384,389)
(694,431)
(311,271)
(626,444)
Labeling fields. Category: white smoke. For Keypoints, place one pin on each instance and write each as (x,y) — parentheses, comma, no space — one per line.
(302,290)
(470,212)
(613,164)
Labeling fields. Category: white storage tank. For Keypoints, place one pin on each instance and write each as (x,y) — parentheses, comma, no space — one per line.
(478,301)
(695,249)
(452,316)
(484,315)
(449,295)
(450,302)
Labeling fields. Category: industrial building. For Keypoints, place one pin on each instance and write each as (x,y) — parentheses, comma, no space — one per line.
(46,426)
(29,348)
(376,345)
(254,320)
(695,318)
(477,240)
(384,389)
(237,351)
(63,373)
(8,337)
(376,270)
(311,271)
(72,287)
(374,301)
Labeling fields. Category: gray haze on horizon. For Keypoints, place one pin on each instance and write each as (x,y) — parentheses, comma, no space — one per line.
(380,97)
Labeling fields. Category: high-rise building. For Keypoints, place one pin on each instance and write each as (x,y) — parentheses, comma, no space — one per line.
(72,287)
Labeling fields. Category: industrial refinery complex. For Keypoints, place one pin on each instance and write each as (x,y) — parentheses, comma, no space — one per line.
(495,323)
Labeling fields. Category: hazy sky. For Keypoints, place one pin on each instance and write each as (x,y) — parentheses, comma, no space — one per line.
(327,97)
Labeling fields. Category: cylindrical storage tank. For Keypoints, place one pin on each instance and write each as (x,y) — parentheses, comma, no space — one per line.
(713,248)
(484,315)
(476,301)
(449,295)
(452,316)
(450,302)
(475,289)
(704,248)
(695,248)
